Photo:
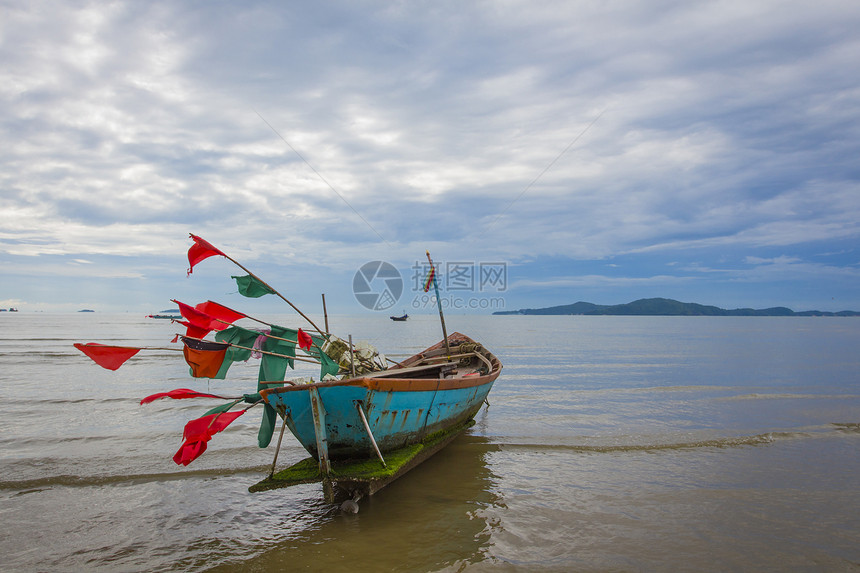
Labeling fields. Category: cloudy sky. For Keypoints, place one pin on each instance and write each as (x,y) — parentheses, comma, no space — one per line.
(598,151)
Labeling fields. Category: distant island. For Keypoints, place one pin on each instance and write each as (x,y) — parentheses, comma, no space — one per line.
(665,307)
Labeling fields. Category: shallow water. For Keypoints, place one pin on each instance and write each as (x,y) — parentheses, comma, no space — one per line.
(611,443)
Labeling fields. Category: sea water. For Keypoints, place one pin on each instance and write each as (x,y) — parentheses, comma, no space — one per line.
(609,444)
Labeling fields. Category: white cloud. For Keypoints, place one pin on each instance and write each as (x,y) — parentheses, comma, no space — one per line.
(728,125)
(602,281)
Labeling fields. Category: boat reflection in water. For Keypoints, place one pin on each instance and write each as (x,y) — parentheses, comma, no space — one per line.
(426,521)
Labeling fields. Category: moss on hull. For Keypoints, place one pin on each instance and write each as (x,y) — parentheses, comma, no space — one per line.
(372,468)
(365,471)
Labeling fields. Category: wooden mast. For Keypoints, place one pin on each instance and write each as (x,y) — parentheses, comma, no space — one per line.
(439,304)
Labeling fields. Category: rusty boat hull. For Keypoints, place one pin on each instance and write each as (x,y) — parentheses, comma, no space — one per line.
(431,392)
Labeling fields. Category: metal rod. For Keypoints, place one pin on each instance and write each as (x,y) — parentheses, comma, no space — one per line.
(360,409)
(278,449)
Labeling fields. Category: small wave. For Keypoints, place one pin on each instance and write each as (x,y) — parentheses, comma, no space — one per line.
(789,396)
(39,484)
(29,491)
(733,442)
(93,400)
(658,389)
(48,440)
(847,427)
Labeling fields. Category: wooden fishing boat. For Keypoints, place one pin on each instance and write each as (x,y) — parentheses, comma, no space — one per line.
(401,318)
(423,395)
(401,415)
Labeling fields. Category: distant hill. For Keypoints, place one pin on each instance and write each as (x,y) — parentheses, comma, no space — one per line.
(666,307)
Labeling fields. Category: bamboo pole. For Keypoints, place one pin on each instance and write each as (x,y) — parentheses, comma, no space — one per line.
(267,285)
(439,304)
(325,314)
(296,342)
(299,358)
(477,355)
(134,347)
(394,362)
(351,357)
(269,324)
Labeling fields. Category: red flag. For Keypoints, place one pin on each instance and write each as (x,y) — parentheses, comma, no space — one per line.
(224,316)
(193,331)
(178,394)
(196,317)
(205,358)
(220,311)
(305,340)
(189,451)
(198,432)
(110,357)
(199,251)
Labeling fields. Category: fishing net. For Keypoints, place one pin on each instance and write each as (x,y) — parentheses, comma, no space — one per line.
(366,358)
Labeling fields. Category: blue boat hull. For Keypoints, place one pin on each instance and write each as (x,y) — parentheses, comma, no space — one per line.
(401,409)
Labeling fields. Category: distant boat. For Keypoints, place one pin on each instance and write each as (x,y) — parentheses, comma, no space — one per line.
(171,314)
(400,318)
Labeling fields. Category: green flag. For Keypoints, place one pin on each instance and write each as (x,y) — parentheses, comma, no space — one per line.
(328,366)
(241,337)
(235,335)
(273,368)
(252,287)
(267,426)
